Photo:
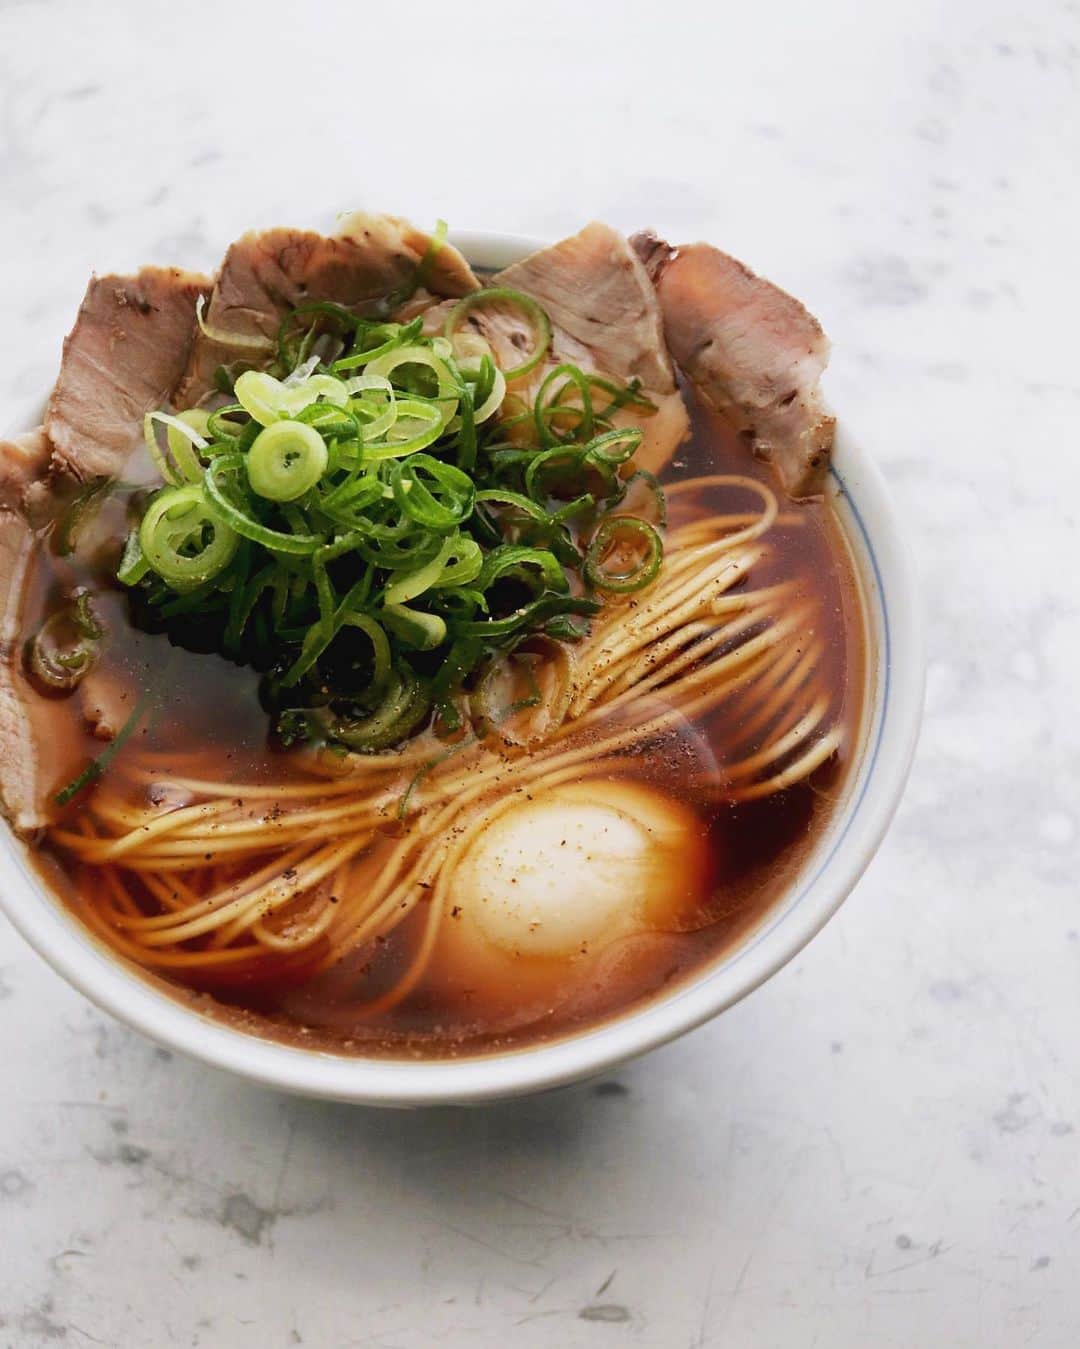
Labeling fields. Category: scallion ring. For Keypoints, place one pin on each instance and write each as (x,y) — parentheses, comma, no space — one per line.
(435,495)
(417,355)
(286,460)
(511,557)
(529,615)
(404,703)
(316,642)
(184,539)
(415,583)
(462,564)
(220,426)
(403,548)
(635,576)
(66,645)
(614,447)
(259,395)
(241,521)
(416,425)
(655,490)
(536,314)
(269,400)
(544,414)
(183,440)
(393,335)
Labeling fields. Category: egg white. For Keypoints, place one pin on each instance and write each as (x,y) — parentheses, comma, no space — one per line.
(557,879)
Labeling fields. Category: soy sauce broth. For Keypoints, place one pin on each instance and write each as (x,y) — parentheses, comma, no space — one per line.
(209,720)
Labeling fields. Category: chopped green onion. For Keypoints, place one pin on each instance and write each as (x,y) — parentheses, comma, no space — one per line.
(183,539)
(403,705)
(436,495)
(133,565)
(96,767)
(224,338)
(511,558)
(316,641)
(425,769)
(415,583)
(425,357)
(197,420)
(530,615)
(614,447)
(637,574)
(182,438)
(656,491)
(463,564)
(379,479)
(392,335)
(243,523)
(286,460)
(416,425)
(221,424)
(545,413)
(268,400)
(417,629)
(66,645)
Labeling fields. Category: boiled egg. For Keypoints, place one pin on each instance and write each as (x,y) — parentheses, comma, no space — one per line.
(557,878)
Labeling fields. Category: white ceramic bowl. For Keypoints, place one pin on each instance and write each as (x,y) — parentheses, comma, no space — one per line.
(890,729)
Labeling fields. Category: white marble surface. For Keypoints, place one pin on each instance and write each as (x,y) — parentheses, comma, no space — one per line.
(880,1148)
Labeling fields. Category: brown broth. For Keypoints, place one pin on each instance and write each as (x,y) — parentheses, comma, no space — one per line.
(754,848)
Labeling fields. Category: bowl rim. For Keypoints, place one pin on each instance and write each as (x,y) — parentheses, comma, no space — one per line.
(852,841)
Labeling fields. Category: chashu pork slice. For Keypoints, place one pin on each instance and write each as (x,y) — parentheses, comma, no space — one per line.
(36,748)
(265,274)
(754,352)
(605,318)
(21,791)
(130,345)
(24,460)
(39,750)
(598,297)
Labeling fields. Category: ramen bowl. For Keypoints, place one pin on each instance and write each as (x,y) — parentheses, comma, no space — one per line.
(880,760)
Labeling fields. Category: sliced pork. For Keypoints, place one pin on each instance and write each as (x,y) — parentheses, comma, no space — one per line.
(605,318)
(753,350)
(39,751)
(266,274)
(23,459)
(20,787)
(597,294)
(130,345)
